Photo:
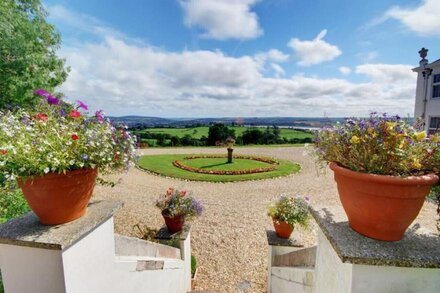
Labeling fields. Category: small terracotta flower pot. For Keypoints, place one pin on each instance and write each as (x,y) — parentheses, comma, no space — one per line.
(378,206)
(59,198)
(174,224)
(283,229)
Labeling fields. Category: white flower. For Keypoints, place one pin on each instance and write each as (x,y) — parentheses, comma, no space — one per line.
(46,170)
(72,162)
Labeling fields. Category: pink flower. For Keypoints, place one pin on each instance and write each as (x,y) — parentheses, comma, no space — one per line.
(75,114)
(42,93)
(41,116)
(82,105)
(52,100)
(99,115)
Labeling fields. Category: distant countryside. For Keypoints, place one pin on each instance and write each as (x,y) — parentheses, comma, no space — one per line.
(214,134)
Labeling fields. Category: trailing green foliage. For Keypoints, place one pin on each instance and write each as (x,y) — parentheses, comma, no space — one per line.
(27,53)
(12,204)
(193,265)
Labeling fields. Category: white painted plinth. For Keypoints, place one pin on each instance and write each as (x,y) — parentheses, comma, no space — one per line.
(90,265)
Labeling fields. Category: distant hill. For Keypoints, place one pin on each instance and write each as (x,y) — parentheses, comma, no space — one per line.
(147,121)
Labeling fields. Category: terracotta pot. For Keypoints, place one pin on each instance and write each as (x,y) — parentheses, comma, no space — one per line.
(59,198)
(174,224)
(283,229)
(378,206)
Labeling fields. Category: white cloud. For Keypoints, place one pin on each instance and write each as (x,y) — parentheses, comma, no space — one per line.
(315,51)
(279,71)
(272,55)
(425,19)
(227,19)
(138,79)
(387,74)
(344,70)
(125,77)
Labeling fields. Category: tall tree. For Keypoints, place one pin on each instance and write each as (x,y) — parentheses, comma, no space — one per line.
(219,133)
(27,52)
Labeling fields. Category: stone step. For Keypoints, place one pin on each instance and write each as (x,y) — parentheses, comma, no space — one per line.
(292,279)
(147,263)
(129,246)
(299,258)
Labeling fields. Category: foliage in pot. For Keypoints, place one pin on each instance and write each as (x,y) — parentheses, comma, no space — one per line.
(380,161)
(58,140)
(177,207)
(286,212)
(193,272)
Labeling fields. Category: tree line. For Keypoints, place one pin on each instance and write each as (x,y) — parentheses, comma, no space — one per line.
(217,135)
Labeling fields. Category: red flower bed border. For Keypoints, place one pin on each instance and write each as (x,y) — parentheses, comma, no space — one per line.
(271,161)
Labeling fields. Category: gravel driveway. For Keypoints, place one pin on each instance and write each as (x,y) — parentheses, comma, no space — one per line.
(229,240)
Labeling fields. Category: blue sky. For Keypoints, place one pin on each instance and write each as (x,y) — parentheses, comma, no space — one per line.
(198,58)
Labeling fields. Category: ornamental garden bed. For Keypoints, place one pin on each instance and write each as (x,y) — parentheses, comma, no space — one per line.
(272,165)
(214,168)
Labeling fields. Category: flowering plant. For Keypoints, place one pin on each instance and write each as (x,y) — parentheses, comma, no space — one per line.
(179,203)
(57,136)
(379,145)
(293,210)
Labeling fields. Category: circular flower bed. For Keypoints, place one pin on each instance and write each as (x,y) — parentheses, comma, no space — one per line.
(272,162)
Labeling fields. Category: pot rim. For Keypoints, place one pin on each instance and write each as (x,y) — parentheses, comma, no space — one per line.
(427,179)
(50,175)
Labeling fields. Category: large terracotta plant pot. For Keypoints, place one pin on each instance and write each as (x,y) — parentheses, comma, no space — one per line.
(283,229)
(59,198)
(378,206)
(174,224)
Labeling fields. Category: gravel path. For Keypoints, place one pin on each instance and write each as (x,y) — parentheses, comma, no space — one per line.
(229,240)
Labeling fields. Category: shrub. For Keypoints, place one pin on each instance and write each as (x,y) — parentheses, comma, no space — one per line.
(293,210)
(379,145)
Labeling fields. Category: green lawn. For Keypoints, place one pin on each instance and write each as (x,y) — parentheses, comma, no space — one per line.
(221,164)
(162,164)
(198,132)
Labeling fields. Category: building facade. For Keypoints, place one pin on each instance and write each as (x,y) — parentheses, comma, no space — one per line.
(427,105)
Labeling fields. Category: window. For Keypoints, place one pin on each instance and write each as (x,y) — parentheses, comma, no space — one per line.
(434,125)
(436,86)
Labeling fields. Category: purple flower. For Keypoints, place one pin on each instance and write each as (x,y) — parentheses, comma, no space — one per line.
(99,115)
(62,113)
(42,93)
(82,105)
(52,100)
(25,120)
(85,157)
(197,206)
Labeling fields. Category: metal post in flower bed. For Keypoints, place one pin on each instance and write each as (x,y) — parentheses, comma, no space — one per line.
(230,145)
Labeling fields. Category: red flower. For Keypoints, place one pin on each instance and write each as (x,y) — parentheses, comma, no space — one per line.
(116,157)
(41,116)
(75,136)
(3,152)
(75,114)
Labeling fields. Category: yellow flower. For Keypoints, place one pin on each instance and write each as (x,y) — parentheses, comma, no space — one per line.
(354,139)
(370,130)
(435,138)
(391,125)
(416,164)
(420,135)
